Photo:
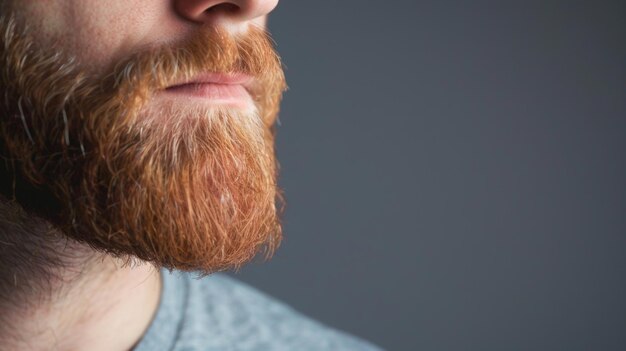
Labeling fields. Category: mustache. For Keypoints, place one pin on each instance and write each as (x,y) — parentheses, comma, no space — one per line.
(209,50)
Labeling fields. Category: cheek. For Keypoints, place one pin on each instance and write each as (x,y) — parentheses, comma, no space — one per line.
(102,31)
(95,31)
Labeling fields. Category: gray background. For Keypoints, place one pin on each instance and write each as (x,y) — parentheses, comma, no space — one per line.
(454,172)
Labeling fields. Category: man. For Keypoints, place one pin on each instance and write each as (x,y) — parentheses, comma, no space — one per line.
(137,146)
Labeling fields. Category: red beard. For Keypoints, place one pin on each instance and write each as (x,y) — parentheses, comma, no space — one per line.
(94,154)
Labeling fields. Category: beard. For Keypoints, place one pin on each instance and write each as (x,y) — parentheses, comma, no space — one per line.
(98,155)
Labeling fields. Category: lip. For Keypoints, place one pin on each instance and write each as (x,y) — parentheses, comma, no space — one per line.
(220,88)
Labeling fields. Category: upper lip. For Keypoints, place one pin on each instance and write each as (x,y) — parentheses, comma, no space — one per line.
(217,78)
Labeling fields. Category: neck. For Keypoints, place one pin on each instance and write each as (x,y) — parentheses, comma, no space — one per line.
(109,308)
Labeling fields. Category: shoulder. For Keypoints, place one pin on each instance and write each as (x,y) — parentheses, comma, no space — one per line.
(241,317)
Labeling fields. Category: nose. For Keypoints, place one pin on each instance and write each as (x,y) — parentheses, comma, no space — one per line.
(240,11)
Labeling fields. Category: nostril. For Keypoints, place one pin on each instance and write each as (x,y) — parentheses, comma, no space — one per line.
(225,8)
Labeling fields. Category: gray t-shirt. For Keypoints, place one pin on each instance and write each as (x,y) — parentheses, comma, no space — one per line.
(219,313)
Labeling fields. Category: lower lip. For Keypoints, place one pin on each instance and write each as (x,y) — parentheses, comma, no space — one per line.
(230,94)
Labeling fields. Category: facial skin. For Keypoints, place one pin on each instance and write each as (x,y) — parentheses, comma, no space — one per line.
(112,137)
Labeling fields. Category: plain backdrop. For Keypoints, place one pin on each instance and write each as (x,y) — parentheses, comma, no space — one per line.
(454,172)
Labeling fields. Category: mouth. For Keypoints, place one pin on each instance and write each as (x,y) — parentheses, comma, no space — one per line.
(215,88)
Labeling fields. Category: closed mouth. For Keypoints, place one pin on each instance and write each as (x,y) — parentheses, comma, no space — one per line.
(215,87)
